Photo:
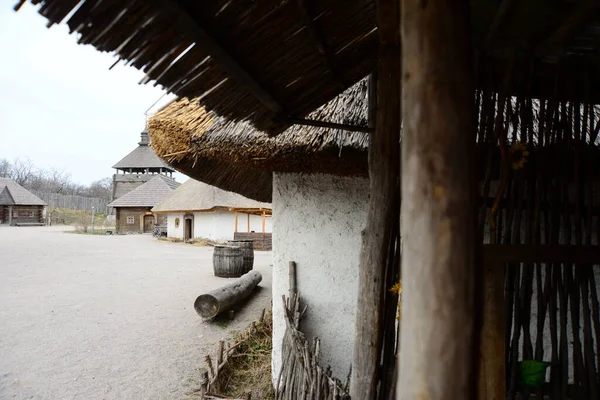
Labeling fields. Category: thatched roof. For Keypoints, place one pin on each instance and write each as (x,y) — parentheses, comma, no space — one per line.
(149,194)
(198,196)
(263,61)
(237,157)
(142,157)
(13,194)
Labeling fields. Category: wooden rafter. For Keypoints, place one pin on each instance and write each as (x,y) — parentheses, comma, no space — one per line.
(576,20)
(499,19)
(320,43)
(332,125)
(219,53)
(540,253)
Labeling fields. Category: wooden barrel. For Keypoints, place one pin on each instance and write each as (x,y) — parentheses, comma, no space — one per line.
(228,261)
(247,247)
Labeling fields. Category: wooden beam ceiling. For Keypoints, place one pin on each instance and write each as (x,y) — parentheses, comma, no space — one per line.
(219,53)
(576,20)
(332,125)
(499,19)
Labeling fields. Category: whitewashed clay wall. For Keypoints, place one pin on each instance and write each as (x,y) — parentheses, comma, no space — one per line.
(317,222)
(216,225)
(174,231)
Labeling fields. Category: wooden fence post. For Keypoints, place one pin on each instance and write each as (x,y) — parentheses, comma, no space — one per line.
(384,170)
(492,376)
(438,342)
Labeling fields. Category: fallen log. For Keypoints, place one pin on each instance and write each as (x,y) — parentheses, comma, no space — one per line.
(211,304)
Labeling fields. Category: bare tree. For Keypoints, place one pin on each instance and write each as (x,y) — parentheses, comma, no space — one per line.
(5,168)
(22,171)
(53,180)
(101,188)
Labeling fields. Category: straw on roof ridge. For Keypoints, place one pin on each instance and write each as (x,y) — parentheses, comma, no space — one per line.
(234,156)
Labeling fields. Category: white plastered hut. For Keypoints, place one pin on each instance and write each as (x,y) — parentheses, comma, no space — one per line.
(197,210)
(317,181)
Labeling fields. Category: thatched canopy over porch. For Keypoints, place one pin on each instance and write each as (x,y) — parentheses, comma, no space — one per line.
(271,62)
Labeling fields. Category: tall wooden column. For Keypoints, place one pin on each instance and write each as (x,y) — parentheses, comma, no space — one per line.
(384,165)
(492,365)
(437,353)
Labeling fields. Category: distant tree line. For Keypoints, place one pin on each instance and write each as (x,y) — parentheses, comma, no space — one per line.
(52,180)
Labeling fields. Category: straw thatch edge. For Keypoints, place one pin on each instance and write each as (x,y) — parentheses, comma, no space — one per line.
(236,157)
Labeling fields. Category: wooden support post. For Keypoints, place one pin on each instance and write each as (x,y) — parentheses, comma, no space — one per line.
(235,227)
(384,169)
(10,213)
(492,362)
(439,342)
(263,222)
(292,279)
(248,223)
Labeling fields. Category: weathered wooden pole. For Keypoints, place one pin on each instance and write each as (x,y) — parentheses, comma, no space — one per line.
(384,170)
(492,353)
(438,343)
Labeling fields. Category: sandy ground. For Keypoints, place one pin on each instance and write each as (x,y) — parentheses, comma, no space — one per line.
(107,317)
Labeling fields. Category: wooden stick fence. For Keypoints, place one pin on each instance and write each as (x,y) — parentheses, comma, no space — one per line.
(72,202)
(552,307)
(209,376)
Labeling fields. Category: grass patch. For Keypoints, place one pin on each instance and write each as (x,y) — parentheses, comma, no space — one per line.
(249,369)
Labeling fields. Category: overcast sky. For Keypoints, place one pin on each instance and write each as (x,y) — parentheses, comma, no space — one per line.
(60,105)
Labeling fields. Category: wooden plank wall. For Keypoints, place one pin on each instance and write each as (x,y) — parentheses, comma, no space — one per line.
(136,213)
(38,214)
(262,241)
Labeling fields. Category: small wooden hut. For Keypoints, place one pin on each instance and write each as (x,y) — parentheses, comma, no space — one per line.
(198,210)
(134,209)
(18,206)
(453,75)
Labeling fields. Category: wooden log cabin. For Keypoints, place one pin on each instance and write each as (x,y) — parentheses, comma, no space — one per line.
(18,206)
(519,79)
(134,209)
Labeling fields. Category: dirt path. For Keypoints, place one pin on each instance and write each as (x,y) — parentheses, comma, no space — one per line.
(106,317)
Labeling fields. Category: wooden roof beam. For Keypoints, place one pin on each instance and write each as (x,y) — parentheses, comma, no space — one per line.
(332,125)
(499,19)
(216,51)
(582,14)
(320,43)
